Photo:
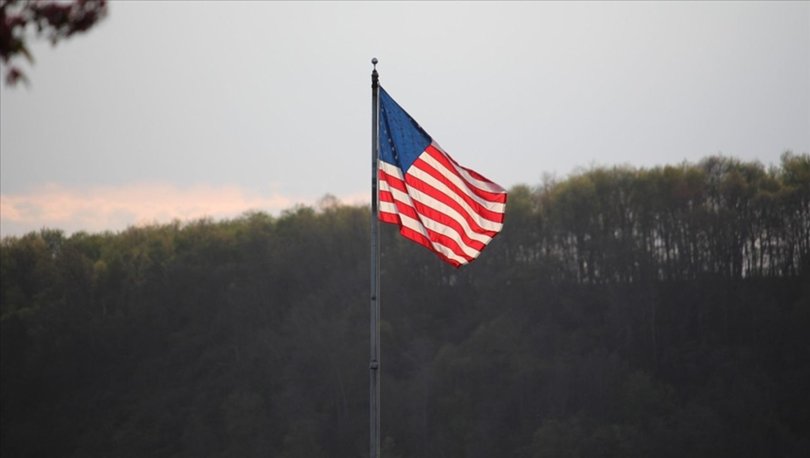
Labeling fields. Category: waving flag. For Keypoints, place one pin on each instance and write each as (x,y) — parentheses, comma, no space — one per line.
(451,210)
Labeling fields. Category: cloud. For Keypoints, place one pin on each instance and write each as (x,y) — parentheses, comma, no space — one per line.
(100,208)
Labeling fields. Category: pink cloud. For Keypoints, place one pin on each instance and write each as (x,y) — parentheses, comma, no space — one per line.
(101,208)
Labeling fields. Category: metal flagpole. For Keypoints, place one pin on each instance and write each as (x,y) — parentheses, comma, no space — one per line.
(374,364)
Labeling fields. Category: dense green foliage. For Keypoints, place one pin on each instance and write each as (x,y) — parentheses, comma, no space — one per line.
(622,313)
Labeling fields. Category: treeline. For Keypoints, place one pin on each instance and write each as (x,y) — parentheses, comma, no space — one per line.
(721,217)
(622,312)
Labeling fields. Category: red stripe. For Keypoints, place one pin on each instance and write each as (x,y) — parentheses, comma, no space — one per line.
(393,181)
(391,218)
(386,196)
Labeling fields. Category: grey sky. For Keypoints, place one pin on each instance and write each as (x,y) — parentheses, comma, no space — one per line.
(272,100)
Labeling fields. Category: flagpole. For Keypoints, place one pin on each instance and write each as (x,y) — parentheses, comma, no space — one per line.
(374,363)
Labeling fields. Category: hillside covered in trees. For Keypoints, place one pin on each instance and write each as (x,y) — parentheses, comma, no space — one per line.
(622,312)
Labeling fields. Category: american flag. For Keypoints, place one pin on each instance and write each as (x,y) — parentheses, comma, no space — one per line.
(449,209)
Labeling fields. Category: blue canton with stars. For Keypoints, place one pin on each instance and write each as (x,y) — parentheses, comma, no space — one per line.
(401,138)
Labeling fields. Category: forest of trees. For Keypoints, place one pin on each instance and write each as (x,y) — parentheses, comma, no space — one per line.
(622,312)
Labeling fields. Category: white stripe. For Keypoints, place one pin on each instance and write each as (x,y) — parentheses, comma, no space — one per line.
(388,207)
(488,204)
(383,185)
(484,185)
(391,169)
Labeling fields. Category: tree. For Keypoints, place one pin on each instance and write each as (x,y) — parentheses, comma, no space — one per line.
(57,20)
